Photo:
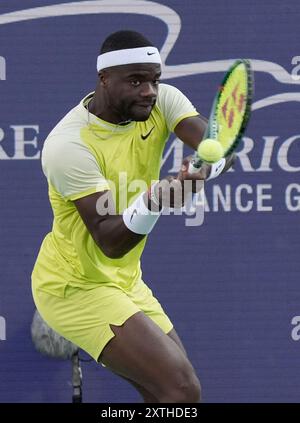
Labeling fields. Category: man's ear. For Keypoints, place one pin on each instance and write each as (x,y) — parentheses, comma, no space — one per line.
(103,76)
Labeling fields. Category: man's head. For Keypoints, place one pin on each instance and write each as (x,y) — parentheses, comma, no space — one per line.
(129,67)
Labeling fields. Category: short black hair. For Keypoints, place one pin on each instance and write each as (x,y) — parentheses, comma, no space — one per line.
(121,40)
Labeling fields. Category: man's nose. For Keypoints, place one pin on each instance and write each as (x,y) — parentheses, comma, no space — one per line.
(149,90)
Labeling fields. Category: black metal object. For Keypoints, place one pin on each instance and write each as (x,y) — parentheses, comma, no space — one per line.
(76,379)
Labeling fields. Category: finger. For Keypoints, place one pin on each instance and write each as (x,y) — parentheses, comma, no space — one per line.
(185,164)
(230,162)
(184,167)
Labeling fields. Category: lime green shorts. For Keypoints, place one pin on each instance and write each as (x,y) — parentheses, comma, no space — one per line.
(84,316)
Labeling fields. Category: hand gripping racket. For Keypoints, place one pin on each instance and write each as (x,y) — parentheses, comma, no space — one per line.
(230,110)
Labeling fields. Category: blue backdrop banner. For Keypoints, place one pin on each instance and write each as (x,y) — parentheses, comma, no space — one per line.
(230,285)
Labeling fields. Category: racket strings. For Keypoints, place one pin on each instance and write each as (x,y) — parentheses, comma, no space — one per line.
(231,106)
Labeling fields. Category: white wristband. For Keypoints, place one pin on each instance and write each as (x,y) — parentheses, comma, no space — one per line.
(216,169)
(138,218)
(152,194)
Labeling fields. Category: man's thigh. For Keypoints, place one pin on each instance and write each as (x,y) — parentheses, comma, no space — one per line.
(142,352)
(174,336)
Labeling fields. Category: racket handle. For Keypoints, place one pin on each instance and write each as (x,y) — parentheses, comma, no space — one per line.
(194,165)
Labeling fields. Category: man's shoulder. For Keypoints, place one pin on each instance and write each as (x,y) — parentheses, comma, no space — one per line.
(65,138)
(167,95)
(71,123)
(67,130)
(165,89)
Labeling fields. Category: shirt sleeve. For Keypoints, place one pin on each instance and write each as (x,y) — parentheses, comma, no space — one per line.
(174,105)
(71,169)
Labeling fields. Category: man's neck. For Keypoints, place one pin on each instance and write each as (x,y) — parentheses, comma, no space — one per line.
(97,107)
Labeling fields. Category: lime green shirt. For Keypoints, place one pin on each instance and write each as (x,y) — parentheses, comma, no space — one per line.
(82,155)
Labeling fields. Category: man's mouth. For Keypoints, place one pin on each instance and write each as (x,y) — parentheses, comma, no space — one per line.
(146,106)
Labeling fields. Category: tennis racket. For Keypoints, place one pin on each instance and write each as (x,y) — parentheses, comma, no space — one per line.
(230,111)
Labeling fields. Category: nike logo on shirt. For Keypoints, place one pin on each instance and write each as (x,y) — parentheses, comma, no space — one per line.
(147,135)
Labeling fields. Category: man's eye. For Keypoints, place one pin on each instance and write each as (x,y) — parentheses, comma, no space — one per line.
(135,83)
(156,81)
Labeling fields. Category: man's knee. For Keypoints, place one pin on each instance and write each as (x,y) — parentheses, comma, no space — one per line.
(184,387)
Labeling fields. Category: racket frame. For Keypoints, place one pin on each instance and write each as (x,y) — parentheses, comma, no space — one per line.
(212,125)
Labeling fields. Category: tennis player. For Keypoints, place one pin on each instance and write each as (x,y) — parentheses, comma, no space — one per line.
(87,281)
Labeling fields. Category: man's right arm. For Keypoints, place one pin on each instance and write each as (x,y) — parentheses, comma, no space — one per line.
(116,234)
(108,230)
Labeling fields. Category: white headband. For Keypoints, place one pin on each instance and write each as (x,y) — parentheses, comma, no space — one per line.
(128,56)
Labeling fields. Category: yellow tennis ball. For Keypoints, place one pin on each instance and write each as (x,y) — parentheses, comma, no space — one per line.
(210,151)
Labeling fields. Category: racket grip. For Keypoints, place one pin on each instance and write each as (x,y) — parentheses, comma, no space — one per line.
(194,165)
